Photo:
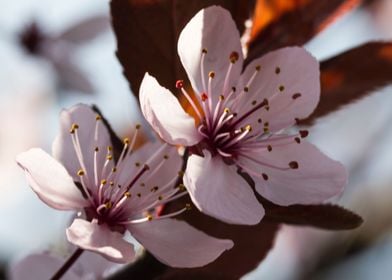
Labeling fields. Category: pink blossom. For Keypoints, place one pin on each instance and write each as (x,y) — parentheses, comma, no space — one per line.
(241,123)
(116,197)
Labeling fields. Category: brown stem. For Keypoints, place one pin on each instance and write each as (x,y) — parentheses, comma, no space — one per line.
(71,260)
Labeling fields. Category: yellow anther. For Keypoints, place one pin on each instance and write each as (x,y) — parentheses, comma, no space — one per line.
(221,97)
(226,110)
(160,197)
(248,128)
(103,182)
(138,126)
(114,169)
(109,157)
(258,67)
(246,89)
(111,183)
(149,217)
(211,74)
(181,173)
(127,194)
(126,141)
(108,205)
(80,172)
(73,128)
(188,206)
(98,118)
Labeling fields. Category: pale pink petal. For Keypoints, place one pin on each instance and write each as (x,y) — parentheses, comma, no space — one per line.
(214,30)
(217,190)
(165,114)
(289,79)
(316,179)
(40,266)
(63,148)
(50,181)
(178,244)
(100,239)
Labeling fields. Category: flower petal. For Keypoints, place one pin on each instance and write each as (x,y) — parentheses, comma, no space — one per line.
(165,114)
(63,148)
(290,79)
(314,178)
(50,181)
(40,266)
(178,244)
(100,239)
(214,30)
(217,190)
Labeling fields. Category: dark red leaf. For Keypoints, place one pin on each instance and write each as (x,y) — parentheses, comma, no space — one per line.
(291,22)
(252,243)
(147,33)
(325,216)
(354,74)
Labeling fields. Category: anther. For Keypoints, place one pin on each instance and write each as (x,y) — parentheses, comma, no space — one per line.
(114,169)
(234,56)
(259,120)
(281,88)
(138,126)
(233,89)
(258,67)
(110,148)
(254,102)
(146,167)
(109,157)
(137,164)
(246,89)
(303,133)
(74,127)
(204,51)
(221,97)
(165,156)
(211,74)
(248,128)
(154,189)
(127,194)
(126,141)
(80,172)
(160,197)
(180,84)
(277,70)
(139,195)
(226,110)
(265,176)
(103,182)
(149,217)
(111,183)
(108,205)
(98,118)
(269,148)
(204,96)
(297,139)
(297,120)
(96,149)
(293,164)
(142,184)
(181,187)
(188,206)
(296,95)
(181,173)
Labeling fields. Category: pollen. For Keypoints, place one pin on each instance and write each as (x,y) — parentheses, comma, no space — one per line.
(293,164)
(80,172)
(180,84)
(73,128)
(103,182)
(297,139)
(211,74)
(149,217)
(127,194)
(108,205)
(111,183)
(126,141)
(248,128)
(110,148)
(98,118)
(226,110)
(109,157)
(221,97)
(234,56)
(114,169)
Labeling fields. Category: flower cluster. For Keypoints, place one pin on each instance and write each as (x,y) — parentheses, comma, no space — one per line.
(241,124)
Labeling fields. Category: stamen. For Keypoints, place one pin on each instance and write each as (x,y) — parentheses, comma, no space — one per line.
(185,93)
(203,54)
(303,133)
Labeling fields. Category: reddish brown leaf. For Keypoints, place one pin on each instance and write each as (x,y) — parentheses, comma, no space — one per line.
(325,216)
(252,243)
(291,22)
(147,33)
(354,74)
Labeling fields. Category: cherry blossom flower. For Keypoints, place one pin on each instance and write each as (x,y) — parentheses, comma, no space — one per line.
(241,121)
(116,197)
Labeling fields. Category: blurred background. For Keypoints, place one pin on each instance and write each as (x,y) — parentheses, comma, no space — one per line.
(57,53)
